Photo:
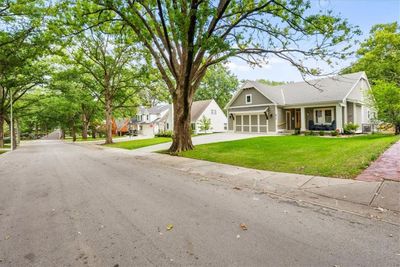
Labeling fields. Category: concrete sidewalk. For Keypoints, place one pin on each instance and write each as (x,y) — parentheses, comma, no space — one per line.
(378,200)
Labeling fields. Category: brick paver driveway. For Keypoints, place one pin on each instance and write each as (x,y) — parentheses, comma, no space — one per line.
(387,166)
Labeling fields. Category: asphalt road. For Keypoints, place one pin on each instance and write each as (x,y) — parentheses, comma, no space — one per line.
(69,205)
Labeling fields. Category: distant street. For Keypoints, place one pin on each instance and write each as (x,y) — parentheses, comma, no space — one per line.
(72,205)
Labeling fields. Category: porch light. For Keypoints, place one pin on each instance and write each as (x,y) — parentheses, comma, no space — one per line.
(231,116)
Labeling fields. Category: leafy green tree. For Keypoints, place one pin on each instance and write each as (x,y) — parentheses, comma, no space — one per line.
(379,57)
(76,87)
(115,68)
(24,41)
(379,54)
(386,98)
(205,124)
(185,38)
(218,84)
(270,83)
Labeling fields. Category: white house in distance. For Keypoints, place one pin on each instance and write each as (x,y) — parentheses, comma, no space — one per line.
(152,120)
(320,105)
(160,118)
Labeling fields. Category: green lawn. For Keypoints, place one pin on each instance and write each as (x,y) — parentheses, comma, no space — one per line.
(80,139)
(134,144)
(334,157)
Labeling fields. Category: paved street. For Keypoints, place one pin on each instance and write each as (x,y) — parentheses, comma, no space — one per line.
(72,205)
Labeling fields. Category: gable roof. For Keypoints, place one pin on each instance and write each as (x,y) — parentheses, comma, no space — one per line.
(330,89)
(153,110)
(198,108)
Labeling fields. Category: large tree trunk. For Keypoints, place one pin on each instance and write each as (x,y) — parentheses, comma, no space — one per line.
(73,133)
(62,135)
(93,132)
(108,121)
(182,139)
(85,127)
(14,134)
(1,130)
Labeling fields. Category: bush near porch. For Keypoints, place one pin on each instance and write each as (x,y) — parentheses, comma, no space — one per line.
(311,155)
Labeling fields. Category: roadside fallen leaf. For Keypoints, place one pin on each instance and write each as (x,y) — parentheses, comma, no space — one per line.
(237,188)
(243,226)
(7,237)
(380,209)
(169,227)
(238,236)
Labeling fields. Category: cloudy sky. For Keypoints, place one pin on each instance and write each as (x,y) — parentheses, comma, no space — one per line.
(364,13)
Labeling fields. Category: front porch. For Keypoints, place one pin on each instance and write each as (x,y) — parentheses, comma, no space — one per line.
(318,118)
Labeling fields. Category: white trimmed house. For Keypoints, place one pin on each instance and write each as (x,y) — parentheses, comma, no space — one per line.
(207,108)
(322,104)
(160,118)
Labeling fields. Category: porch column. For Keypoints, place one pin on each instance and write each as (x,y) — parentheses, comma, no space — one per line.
(355,113)
(302,119)
(345,113)
(339,114)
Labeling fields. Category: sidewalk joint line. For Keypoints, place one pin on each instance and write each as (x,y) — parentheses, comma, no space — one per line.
(376,193)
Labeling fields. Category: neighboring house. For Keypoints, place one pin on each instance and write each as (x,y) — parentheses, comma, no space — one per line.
(208,109)
(152,120)
(120,126)
(160,118)
(322,104)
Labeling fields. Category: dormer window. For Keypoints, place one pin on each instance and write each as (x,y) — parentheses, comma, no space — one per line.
(249,99)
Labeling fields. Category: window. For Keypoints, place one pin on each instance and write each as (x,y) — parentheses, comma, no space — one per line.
(167,126)
(193,126)
(249,99)
(318,116)
(323,116)
(225,126)
(147,117)
(213,112)
(328,116)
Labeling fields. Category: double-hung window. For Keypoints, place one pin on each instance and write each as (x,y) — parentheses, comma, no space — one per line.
(323,116)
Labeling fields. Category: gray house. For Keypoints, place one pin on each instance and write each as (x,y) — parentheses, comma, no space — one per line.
(322,104)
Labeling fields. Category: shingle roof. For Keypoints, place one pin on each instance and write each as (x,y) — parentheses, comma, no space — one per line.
(328,89)
(198,108)
(153,110)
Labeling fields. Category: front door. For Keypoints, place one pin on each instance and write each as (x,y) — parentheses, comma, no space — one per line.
(297,119)
(288,122)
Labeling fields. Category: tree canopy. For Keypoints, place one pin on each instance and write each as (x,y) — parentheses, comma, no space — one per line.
(379,57)
(218,84)
(185,38)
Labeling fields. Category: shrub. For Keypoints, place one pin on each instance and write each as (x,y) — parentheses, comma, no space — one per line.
(335,133)
(321,133)
(164,134)
(296,131)
(350,128)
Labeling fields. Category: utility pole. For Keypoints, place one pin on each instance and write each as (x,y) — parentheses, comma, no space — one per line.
(12,121)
